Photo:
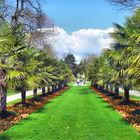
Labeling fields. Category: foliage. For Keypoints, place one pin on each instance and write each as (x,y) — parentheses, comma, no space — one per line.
(71,62)
(119,66)
(23,66)
(125,4)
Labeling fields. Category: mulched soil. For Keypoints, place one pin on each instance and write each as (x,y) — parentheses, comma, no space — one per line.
(130,112)
(17,112)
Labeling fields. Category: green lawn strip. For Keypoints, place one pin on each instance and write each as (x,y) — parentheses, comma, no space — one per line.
(18,100)
(71,84)
(88,83)
(12,92)
(133,97)
(78,114)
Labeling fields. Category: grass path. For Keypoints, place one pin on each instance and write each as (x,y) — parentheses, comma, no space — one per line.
(78,114)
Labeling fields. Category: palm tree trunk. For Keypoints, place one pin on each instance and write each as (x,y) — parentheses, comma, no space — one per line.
(49,90)
(3,98)
(43,90)
(116,90)
(23,96)
(106,87)
(53,88)
(60,86)
(65,84)
(111,88)
(99,87)
(35,92)
(126,94)
(3,88)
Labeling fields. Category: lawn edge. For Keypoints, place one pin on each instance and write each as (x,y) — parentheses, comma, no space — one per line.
(125,115)
(24,112)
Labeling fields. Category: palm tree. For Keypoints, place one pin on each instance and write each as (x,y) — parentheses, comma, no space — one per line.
(122,42)
(22,73)
(7,49)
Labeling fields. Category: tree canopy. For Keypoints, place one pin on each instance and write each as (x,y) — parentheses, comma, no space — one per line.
(119,65)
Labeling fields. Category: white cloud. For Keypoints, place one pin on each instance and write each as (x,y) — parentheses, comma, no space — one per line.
(81,43)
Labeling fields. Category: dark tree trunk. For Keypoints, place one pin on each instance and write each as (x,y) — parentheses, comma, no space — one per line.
(65,84)
(99,87)
(35,92)
(116,90)
(3,98)
(106,88)
(23,96)
(126,94)
(53,88)
(60,86)
(96,86)
(3,88)
(111,88)
(103,87)
(18,10)
(49,90)
(43,90)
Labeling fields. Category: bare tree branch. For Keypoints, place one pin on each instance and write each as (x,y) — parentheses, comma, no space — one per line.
(125,4)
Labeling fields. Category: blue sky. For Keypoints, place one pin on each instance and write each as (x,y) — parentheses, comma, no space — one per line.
(83,26)
(73,15)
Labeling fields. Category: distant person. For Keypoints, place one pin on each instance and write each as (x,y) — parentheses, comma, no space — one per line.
(78,82)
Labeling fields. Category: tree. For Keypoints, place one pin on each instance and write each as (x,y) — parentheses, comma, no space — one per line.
(10,46)
(6,42)
(121,37)
(125,4)
(71,62)
(120,65)
(69,59)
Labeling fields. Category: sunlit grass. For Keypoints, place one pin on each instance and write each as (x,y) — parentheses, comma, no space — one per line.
(12,92)
(78,114)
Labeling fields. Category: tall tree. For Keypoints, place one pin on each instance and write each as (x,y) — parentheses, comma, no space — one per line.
(125,4)
(71,62)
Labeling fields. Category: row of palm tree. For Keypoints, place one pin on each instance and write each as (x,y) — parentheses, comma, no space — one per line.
(119,66)
(23,66)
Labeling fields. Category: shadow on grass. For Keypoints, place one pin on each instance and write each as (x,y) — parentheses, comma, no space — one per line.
(43,108)
(4,115)
(84,91)
(110,107)
(4,138)
(125,122)
(136,112)
(99,97)
(103,101)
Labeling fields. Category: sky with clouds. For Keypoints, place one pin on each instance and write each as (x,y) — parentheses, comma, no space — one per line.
(81,43)
(82,26)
